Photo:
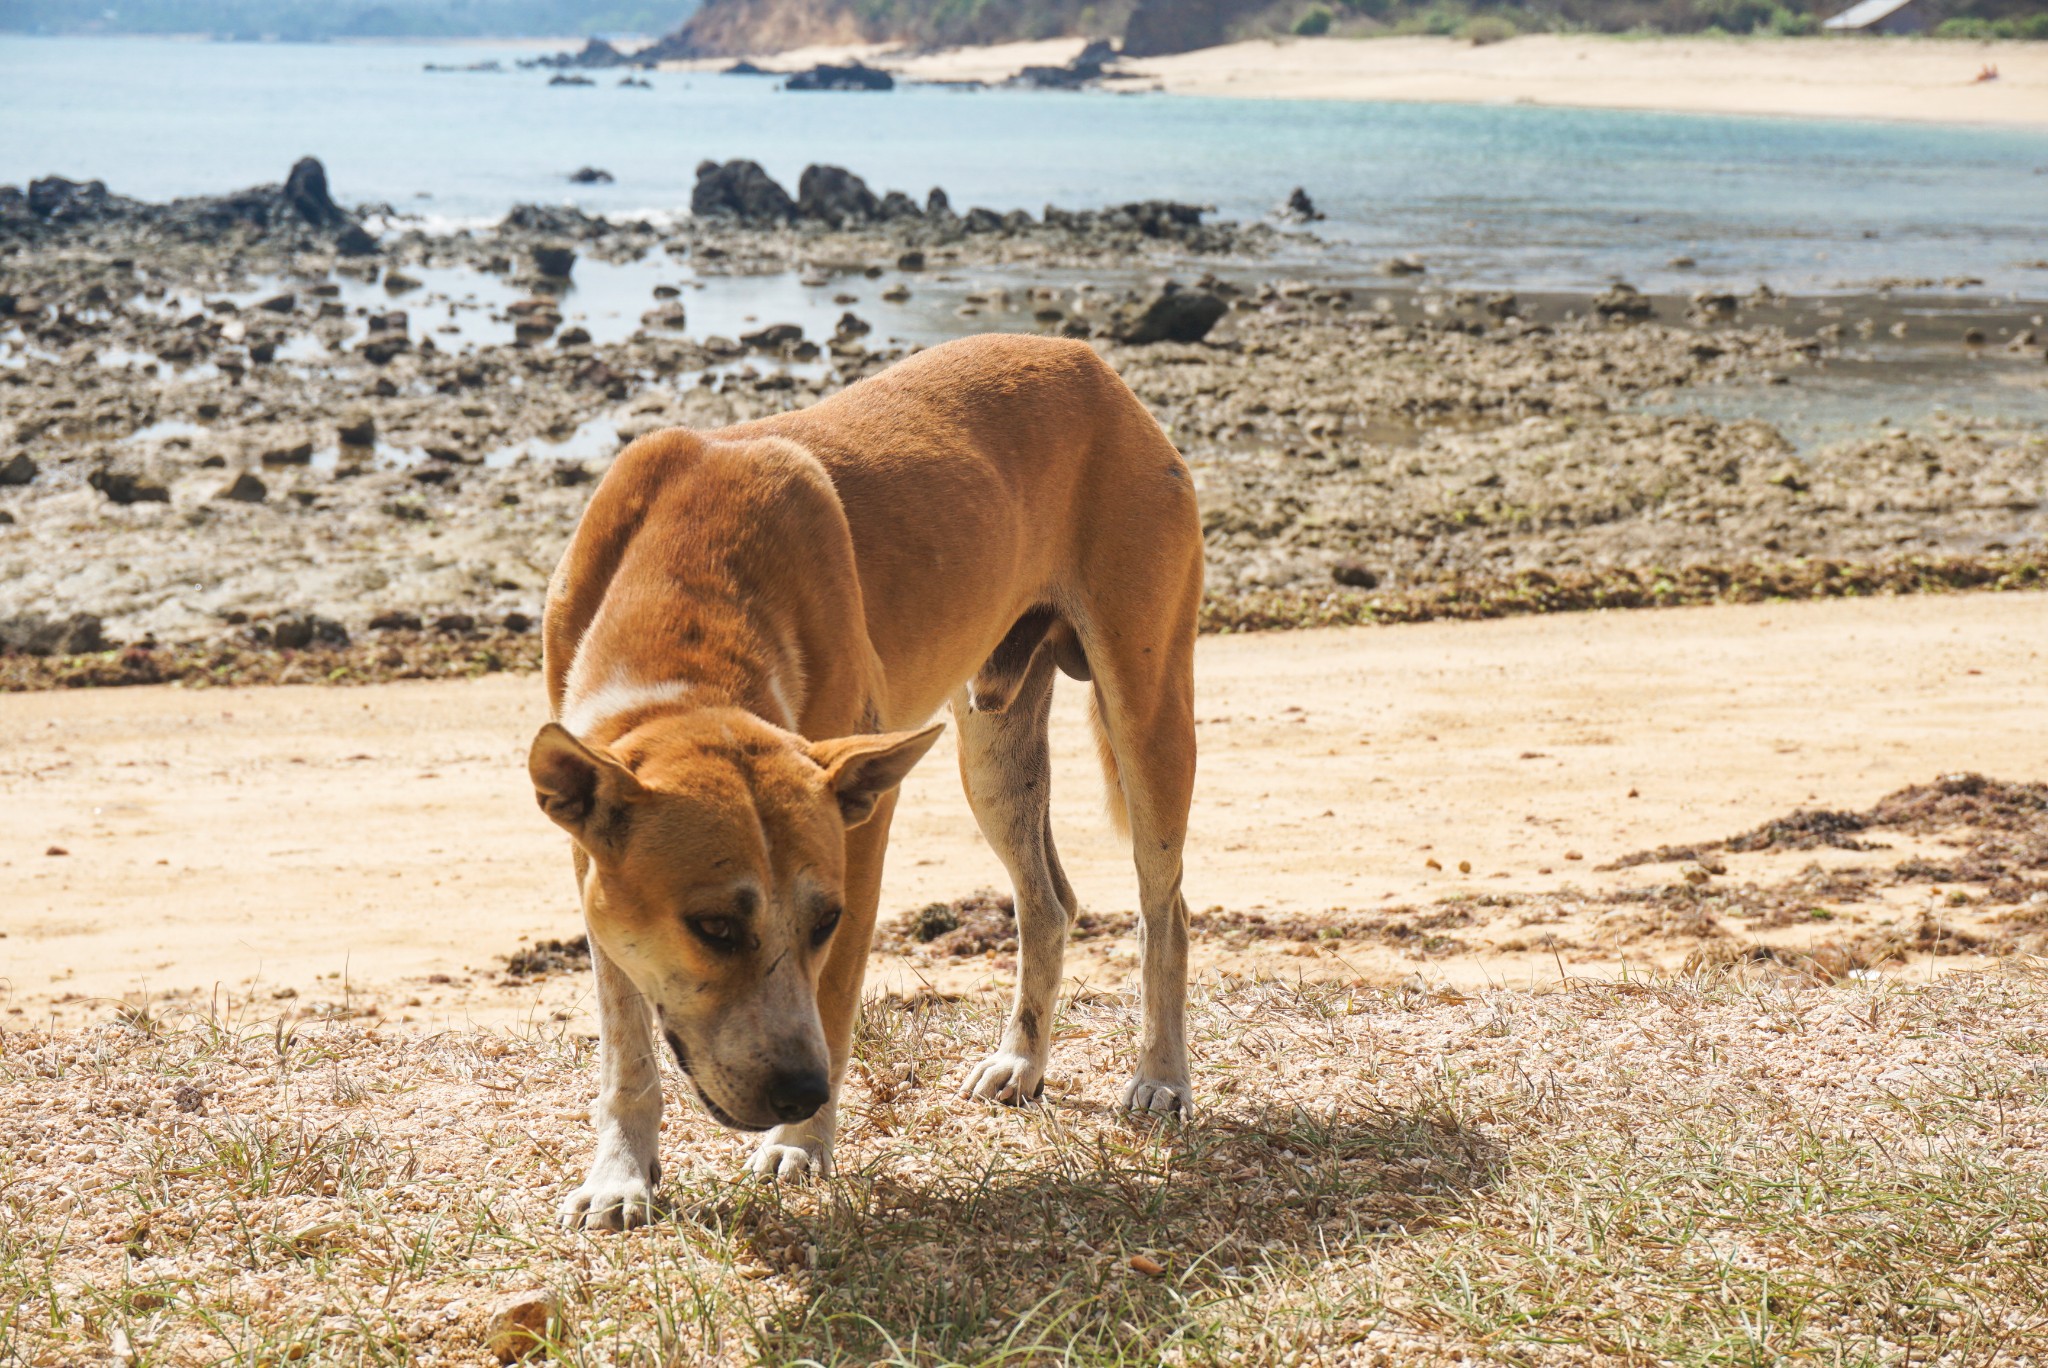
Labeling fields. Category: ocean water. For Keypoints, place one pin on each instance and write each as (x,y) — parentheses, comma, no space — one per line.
(1487,195)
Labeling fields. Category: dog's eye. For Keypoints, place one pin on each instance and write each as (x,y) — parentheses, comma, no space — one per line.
(720,933)
(821,933)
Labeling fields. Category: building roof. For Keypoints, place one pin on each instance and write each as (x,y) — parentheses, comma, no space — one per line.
(1865,13)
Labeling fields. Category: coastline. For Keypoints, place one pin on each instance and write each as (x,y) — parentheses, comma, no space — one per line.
(1911,80)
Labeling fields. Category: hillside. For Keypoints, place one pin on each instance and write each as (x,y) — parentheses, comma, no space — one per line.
(726,28)
(314,20)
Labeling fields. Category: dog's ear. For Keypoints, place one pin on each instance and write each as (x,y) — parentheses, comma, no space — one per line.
(581,790)
(861,769)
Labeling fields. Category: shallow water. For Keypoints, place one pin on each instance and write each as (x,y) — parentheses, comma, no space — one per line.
(1507,194)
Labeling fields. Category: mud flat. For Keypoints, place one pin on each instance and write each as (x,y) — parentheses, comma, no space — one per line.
(1449,804)
(240,445)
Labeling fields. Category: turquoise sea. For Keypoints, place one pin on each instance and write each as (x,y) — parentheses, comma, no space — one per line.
(1507,194)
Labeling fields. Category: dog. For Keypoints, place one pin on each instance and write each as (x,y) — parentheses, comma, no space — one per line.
(743,646)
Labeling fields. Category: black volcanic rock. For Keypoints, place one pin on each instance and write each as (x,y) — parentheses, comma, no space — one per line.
(740,190)
(855,76)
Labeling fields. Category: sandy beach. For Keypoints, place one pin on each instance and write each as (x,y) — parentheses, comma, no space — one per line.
(1922,80)
(338,849)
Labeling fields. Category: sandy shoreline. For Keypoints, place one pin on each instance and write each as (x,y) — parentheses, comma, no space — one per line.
(1918,80)
(350,847)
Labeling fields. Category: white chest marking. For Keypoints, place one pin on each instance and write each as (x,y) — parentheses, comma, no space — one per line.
(581,712)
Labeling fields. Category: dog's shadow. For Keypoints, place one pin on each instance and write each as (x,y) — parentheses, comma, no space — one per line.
(1100,1233)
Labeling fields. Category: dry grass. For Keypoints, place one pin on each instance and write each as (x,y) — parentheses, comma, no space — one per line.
(1709,1170)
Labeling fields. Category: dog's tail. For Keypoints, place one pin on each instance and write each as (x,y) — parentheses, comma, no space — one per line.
(1114,801)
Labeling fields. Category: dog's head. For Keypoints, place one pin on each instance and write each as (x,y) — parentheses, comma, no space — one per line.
(713,864)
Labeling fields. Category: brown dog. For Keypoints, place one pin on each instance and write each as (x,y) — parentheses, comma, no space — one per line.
(741,628)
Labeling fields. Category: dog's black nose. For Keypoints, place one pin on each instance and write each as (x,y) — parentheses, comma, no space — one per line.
(797,1096)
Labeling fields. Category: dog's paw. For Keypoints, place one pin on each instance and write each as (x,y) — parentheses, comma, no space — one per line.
(784,1162)
(1006,1077)
(1163,1095)
(610,1203)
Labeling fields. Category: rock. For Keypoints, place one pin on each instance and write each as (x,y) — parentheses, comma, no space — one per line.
(1356,574)
(854,76)
(596,53)
(573,337)
(896,294)
(980,220)
(125,487)
(1084,67)
(300,631)
(1973,337)
(1709,306)
(774,337)
(298,454)
(357,431)
(834,195)
(395,620)
(852,325)
(380,348)
(565,80)
(938,207)
(897,206)
(910,261)
(244,488)
(521,1323)
(1681,263)
(740,190)
(1502,305)
(18,469)
(518,622)
(745,68)
(33,634)
(591,175)
(354,241)
(1623,302)
(279,304)
(569,474)
(554,260)
(455,624)
(1403,266)
(398,282)
(1298,208)
(1176,315)
(305,190)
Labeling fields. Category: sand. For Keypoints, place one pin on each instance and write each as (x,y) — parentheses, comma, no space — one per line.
(346,845)
(1921,80)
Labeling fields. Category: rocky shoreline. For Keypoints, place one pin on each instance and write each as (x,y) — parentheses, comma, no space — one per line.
(262,438)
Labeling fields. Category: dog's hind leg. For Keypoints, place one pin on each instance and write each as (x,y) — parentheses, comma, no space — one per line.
(1006,768)
(1140,643)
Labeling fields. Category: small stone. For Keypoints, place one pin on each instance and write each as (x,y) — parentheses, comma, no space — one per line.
(298,454)
(521,1323)
(554,260)
(18,469)
(244,488)
(359,431)
(1356,574)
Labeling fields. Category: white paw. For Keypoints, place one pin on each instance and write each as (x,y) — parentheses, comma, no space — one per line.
(1159,1095)
(610,1203)
(787,1163)
(1007,1077)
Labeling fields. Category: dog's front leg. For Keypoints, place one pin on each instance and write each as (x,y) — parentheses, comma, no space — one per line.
(619,1193)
